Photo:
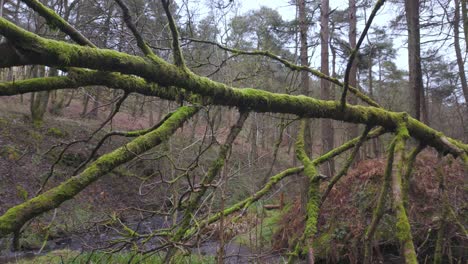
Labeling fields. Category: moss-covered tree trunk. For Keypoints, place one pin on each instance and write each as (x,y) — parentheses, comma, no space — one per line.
(402,223)
(352,36)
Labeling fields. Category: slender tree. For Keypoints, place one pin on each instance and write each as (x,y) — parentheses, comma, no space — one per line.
(353,128)
(414,59)
(458,53)
(327,126)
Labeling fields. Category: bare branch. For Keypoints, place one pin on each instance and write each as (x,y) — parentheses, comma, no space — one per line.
(354,52)
(55,20)
(128,21)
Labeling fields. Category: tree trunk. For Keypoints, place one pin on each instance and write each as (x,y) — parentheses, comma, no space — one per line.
(465,21)
(403,227)
(57,98)
(327,128)
(85,103)
(414,60)
(461,66)
(253,139)
(304,57)
(39,100)
(353,128)
(95,110)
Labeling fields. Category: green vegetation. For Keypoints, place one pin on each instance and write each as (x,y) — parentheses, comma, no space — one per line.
(56,132)
(262,233)
(10,152)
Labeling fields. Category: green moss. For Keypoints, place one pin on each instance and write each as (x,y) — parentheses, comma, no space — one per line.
(263,231)
(11,152)
(56,132)
(403,227)
(60,54)
(36,136)
(21,192)
(3,121)
(312,209)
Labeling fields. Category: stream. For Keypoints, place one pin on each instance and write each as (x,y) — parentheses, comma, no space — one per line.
(234,252)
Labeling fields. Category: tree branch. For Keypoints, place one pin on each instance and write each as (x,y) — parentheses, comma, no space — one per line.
(293,67)
(128,21)
(313,196)
(403,227)
(178,56)
(354,52)
(378,211)
(345,168)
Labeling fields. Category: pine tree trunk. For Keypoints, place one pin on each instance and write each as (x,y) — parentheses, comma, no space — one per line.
(461,66)
(327,128)
(353,128)
(465,20)
(414,60)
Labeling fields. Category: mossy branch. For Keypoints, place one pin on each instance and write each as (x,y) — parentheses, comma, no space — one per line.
(244,204)
(56,53)
(14,218)
(313,195)
(409,171)
(127,83)
(403,227)
(378,211)
(293,67)
(348,163)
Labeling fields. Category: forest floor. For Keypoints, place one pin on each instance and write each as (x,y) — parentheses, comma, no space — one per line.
(26,156)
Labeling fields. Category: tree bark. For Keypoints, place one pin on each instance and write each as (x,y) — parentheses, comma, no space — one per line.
(304,57)
(39,100)
(465,21)
(327,127)
(461,66)
(414,60)
(353,128)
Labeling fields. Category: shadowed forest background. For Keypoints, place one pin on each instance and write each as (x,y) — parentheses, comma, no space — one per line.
(190,132)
